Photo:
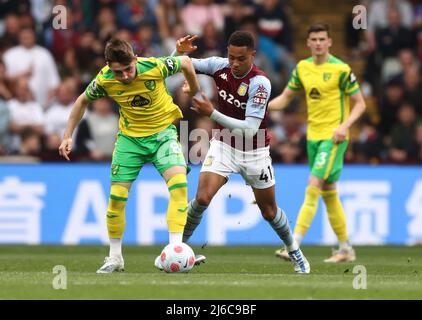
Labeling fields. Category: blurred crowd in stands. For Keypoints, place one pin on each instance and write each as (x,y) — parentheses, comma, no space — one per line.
(43,70)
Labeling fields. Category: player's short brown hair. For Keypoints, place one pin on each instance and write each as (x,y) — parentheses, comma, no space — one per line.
(242,39)
(120,51)
(319,27)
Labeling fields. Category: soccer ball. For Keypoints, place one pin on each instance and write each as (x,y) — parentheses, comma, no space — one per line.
(177,257)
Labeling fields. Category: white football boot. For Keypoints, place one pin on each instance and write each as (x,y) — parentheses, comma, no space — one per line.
(300,263)
(112,264)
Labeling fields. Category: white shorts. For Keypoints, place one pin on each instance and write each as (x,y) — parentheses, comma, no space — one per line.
(254,166)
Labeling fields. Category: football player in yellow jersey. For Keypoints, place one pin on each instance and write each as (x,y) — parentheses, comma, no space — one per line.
(329,85)
(146,134)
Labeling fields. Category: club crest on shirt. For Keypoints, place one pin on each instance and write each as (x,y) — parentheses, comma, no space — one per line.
(243,88)
(326,76)
(150,85)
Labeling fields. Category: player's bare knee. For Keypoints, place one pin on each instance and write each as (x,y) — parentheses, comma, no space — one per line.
(203,199)
(269,213)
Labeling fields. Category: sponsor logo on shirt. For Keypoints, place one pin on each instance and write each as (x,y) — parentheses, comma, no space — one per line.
(139,101)
(229,98)
(314,94)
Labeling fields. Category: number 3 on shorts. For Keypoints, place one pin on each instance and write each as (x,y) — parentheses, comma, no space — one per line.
(321,159)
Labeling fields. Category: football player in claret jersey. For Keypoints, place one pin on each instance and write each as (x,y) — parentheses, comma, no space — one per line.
(330,86)
(242,143)
(146,134)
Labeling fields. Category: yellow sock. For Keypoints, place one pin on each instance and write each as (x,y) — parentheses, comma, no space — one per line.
(177,210)
(116,211)
(308,210)
(335,214)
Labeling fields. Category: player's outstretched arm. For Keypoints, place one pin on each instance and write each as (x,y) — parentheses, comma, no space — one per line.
(75,116)
(358,108)
(281,101)
(190,75)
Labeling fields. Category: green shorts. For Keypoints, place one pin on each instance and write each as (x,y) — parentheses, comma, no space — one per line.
(326,159)
(162,149)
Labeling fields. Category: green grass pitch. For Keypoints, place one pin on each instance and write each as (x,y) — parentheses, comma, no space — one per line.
(241,272)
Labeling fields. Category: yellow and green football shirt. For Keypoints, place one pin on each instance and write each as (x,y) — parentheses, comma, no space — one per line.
(145,106)
(327,87)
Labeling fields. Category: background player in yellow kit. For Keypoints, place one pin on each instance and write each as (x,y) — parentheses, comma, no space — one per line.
(146,134)
(329,84)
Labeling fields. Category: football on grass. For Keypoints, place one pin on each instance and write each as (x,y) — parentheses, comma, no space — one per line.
(177,257)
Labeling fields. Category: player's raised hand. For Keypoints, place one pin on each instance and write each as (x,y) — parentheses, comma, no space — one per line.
(184,45)
(202,105)
(339,134)
(66,148)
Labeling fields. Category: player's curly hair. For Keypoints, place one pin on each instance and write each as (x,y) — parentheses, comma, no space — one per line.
(120,51)
(242,39)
